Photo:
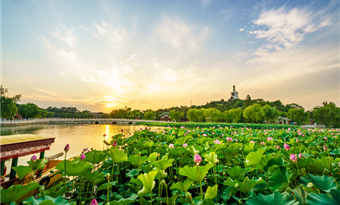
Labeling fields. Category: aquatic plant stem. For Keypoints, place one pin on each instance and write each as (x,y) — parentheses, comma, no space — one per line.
(199,176)
(108,192)
(65,173)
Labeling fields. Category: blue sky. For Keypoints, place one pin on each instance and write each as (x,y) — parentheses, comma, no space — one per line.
(102,55)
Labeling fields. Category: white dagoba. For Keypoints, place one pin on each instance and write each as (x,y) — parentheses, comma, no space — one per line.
(234,94)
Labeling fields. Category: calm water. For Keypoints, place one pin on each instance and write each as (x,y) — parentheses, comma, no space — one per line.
(77,136)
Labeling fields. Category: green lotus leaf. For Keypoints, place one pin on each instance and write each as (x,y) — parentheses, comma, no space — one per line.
(304,162)
(275,161)
(258,159)
(104,186)
(332,198)
(249,147)
(179,142)
(192,150)
(148,182)
(132,173)
(117,155)
(274,198)
(324,183)
(160,172)
(89,176)
(279,176)
(235,172)
(299,194)
(136,181)
(153,157)
(211,157)
(196,173)
(22,171)
(163,163)
(126,201)
(319,165)
(95,157)
(149,143)
(137,160)
(15,192)
(170,200)
(47,200)
(211,192)
(247,185)
(74,168)
(335,151)
(37,164)
(182,186)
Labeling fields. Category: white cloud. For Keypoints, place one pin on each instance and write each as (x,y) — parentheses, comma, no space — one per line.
(284,28)
(205,2)
(242,29)
(115,37)
(181,36)
(65,34)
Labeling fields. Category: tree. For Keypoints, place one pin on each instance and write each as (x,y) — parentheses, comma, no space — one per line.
(175,115)
(247,102)
(149,115)
(270,113)
(8,105)
(212,115)
(253,113)
(328,114)
(200,114)
(191,114)
(298,115)
(233,115)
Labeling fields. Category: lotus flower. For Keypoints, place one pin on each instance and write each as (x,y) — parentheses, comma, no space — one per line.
(114,143)
(141,128)
(197,159)
(82,157)
(297,140)
(325,148)
(85,150)
(122,130)
(278,147)
(185,145)
(269,139)
(325,138)
(300,155)
(204,135)
(104,135)
(217,141)
(293,158)
(33,158)
(262,143)
(171,146)
(229,139)
(236,140)
(252,141)
(67,148)
(94,202)
(286,146)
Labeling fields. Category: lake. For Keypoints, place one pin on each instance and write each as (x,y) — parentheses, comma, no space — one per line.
(77,136)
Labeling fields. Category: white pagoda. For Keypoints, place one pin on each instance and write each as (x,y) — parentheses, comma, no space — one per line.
(234,94)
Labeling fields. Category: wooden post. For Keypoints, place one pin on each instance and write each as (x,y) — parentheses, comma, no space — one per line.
(42,156)
(2,167)
(14,164)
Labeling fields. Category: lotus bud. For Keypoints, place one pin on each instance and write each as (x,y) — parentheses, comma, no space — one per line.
(83,202)
(82,157)
(197,159)
(310,185)
(237,185)
(94,202)
(67,148)
(262,143)
(187,194)
(185,145)
(286,146)
(36,196)
(300,155)
(107,175)
(325,148)
(114,143)
(34,158)
(171,146)
(325,138)
(293,158)
(297,140)
(122,130)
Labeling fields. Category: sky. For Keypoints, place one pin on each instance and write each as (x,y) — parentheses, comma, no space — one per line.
(103,55)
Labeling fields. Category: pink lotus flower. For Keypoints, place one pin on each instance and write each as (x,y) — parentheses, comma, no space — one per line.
(325,138)
(141,128)
(236,140)
(229,139)
(204,135)
(269,139)
(278,147)
(325,148)
(104,135)
(217,141)
(286,146)
(300,155)
(293,158)
(252,141)
(213,133)
(67,148)
(82,157)
(297,140)
(171,146)
(122,130)
(300,133)
(185,145)
(94,202)
(114,143)
(197,159)
(262,143)
(339,164)
(33,158)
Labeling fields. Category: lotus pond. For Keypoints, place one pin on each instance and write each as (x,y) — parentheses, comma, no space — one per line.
(211,165)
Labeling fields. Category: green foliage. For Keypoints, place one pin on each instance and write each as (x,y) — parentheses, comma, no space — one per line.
(274,198)
(298,115)
(182,186)
(22,171)
(254,113)
(95,156)
(175,115)
(15,192)
(75,167)
(270,113)
(211,192)
(196,173)
(328,114)
(148,182)
(37,164)
(8,104)
(117,155)
(149,115)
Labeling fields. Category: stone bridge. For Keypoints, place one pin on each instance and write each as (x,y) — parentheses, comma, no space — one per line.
(72,121)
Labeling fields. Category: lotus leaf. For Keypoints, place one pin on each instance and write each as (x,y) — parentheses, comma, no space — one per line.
(279,176)
(324,183)
(47,200)
(117,155)
(137,160)
(258,159)
(95,157)
(318,166)
(235,172)
(196,173)
(274,198)
(148,182)
(211,192)
(332,198)
(163,163)
(37,164)
(192,150)
(211,157)
(15,192)
(74,168)
(182,186)
(22,171)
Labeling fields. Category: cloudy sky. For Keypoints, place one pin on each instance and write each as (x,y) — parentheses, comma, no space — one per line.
(102,55)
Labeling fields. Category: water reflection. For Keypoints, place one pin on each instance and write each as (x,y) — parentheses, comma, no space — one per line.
(77,136)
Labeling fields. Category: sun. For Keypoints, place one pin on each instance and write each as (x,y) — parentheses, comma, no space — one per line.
(110,104)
